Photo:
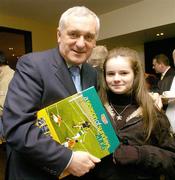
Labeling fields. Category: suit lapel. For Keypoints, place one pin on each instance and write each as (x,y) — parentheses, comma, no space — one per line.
(85,76)
(62,73)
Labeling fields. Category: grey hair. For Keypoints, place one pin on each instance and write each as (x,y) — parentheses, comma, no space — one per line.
(78,11)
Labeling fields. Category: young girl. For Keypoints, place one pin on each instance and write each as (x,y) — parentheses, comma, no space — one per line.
(147,149)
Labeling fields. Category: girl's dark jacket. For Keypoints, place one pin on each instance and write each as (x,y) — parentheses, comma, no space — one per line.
(156,156)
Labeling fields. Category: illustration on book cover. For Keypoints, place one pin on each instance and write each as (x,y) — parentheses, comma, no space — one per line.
(80,122)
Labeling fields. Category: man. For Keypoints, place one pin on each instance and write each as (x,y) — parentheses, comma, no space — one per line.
(41,79)
(161,65)
(173,56)
(170,111)
(6,74)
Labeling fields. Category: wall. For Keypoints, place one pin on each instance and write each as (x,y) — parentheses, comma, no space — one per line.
(142,15)
(43,35)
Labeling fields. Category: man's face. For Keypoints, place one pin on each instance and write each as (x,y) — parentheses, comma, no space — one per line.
(77,40)
(156,66)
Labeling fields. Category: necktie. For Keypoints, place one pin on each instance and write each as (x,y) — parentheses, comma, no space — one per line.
(75,73)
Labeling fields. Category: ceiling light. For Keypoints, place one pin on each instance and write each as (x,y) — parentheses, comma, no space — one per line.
(160,34)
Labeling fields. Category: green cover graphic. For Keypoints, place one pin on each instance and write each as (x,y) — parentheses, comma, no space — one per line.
(79,122)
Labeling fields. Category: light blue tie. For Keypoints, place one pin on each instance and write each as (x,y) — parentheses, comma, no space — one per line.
(75,73)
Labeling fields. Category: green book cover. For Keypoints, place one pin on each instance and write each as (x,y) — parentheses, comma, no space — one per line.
(80,122)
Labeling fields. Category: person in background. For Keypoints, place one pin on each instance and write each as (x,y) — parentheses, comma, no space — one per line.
(173,56)
(6,74)
(151,82)
(97,59)
(98,56)
(147,148)
(40,79)
(170,111)
(161,65)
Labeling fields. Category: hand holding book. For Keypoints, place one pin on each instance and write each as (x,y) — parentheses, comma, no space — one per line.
(81,163)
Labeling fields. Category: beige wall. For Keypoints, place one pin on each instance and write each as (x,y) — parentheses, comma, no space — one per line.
(142,15)
(43,35)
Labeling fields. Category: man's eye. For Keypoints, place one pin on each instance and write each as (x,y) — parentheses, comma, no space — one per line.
(73,35)
(89,37)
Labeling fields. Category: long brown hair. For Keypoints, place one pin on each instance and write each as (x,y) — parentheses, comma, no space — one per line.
(139,88)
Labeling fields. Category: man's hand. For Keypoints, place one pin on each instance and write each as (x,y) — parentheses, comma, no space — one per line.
(81,163)
(157,99)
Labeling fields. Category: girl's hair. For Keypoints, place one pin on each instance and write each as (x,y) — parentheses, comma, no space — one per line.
(138,90)
(78,11)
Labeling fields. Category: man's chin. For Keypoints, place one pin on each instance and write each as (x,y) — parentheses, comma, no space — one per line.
(77,60)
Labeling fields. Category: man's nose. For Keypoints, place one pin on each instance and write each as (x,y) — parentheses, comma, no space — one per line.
(80,42)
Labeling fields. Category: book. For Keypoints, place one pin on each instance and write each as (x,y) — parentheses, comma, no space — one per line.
(80,122)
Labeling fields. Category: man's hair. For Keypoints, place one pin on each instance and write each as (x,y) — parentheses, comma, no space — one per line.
(162,58)
(3,60)
(78,11)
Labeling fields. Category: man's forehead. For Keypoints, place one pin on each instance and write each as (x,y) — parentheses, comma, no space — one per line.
(154,61)
(87,21)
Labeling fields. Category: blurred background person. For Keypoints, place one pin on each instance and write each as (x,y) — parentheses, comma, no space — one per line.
(6,74)
(170,111)
(174,56)
(161,65)
(151,82)
(97,59)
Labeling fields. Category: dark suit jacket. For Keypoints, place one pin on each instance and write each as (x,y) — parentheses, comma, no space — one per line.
(165,83)
(40,79)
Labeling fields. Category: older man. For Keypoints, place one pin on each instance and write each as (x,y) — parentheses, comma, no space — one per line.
(41,79)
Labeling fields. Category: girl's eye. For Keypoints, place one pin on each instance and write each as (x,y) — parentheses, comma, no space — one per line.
(110,74)
(124,73)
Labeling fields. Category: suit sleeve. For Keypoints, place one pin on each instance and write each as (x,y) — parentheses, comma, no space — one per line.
(23,100)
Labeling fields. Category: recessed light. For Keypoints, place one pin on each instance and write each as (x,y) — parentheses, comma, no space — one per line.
(160,34)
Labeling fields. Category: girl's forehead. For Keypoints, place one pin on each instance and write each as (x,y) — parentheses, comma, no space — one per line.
(118,61)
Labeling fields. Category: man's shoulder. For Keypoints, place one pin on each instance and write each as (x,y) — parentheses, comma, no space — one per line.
(38,57)
(171,71)
(40,54)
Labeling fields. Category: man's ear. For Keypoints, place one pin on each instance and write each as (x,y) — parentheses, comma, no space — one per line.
(58,35)
(94,45)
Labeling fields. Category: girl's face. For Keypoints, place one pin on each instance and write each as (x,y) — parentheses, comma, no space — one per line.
(119,75)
